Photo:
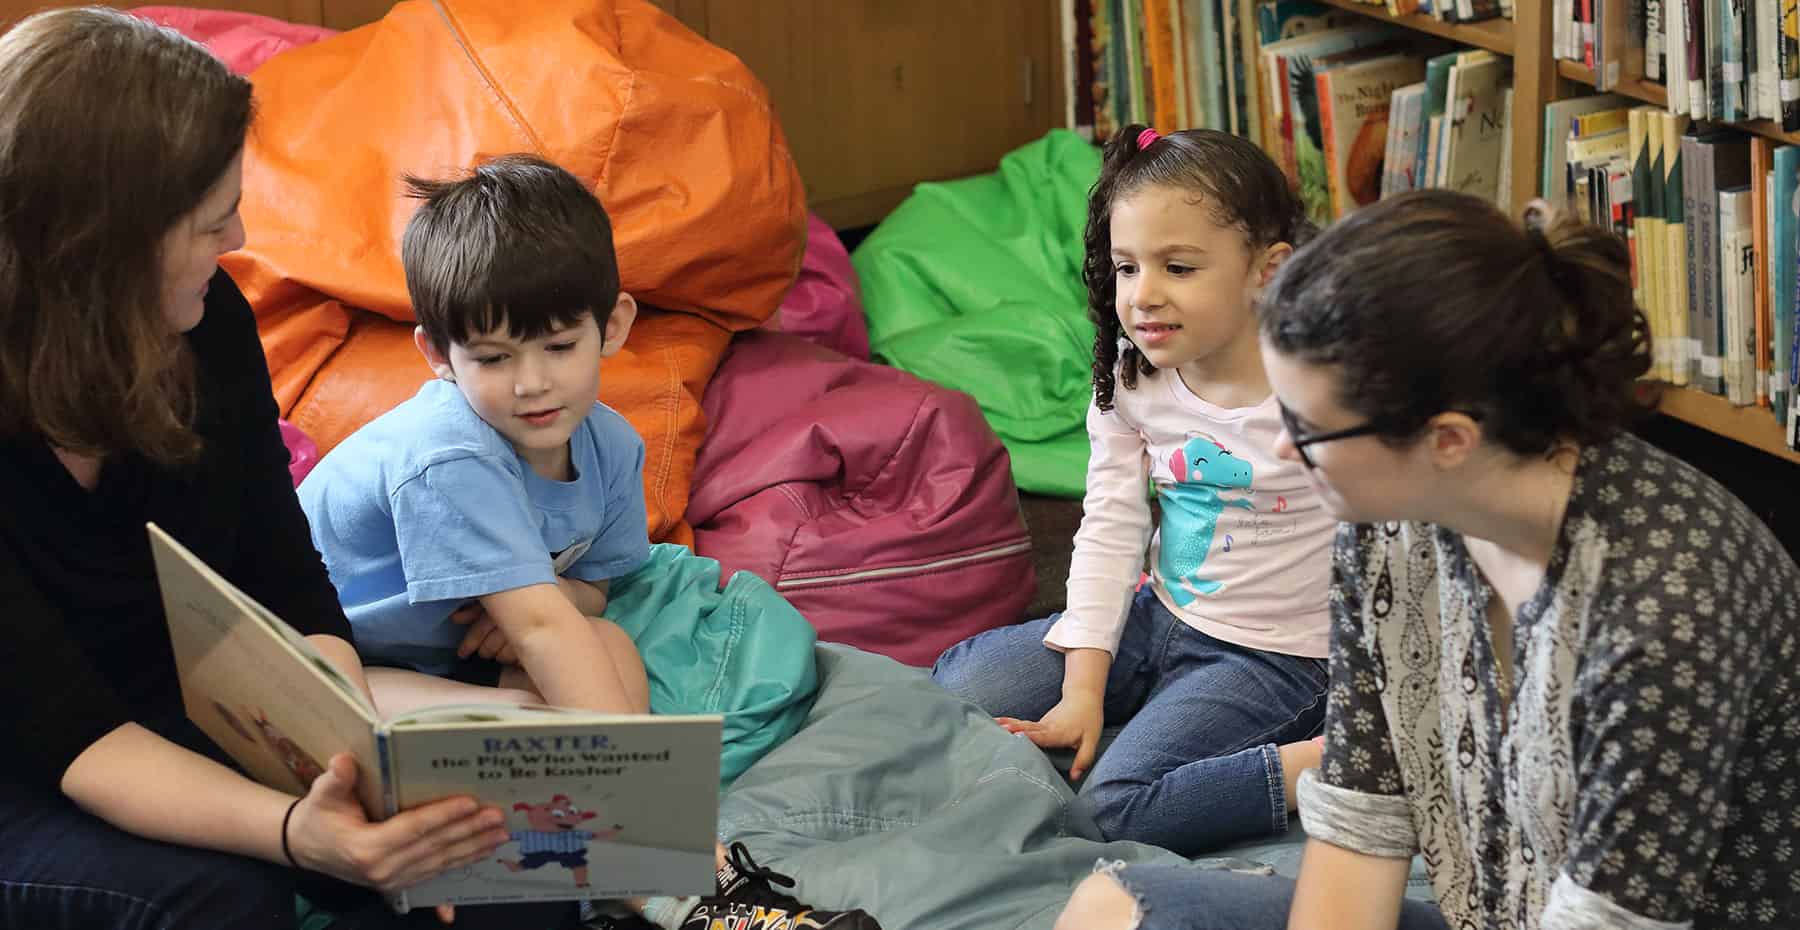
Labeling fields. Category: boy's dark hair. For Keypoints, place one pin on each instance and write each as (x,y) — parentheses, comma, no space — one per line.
(1435,300)
(1234,178)
(517,242)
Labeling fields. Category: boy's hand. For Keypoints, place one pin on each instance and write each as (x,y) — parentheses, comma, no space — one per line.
(485,638)
(1074,722)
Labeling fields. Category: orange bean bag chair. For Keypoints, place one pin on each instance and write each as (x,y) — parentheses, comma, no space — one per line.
(676,136)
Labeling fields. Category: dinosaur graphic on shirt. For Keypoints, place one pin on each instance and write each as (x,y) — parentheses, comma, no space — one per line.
(1191,508)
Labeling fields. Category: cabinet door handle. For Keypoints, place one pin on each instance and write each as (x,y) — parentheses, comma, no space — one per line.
(1029,73)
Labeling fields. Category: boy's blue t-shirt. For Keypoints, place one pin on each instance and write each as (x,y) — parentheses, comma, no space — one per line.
(428,507)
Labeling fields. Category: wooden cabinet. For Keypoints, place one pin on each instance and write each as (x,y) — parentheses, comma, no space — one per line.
(877,95)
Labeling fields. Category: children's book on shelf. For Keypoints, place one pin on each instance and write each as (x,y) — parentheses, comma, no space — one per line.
(1406,116)
(1353,101)
(598,805)
(1275,22)
(1474,127)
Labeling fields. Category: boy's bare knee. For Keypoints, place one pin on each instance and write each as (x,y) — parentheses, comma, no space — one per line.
(1099,903)
(612,636)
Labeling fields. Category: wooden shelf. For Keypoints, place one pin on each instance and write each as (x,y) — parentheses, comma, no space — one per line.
(1639,89)
(1752,426)
(1495,35)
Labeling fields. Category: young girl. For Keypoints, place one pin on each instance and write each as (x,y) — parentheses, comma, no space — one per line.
(1566,675)
(1215,666)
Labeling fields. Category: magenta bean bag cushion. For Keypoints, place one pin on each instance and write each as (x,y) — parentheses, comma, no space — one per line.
(825,304)
(880,505)
(242,41)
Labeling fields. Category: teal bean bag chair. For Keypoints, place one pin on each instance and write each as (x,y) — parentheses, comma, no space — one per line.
(975,284)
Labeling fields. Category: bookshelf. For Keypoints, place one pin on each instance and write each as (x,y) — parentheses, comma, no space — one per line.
(1495,35)
(1538,79)
(1526,40)
(1650,92)
(1752,426)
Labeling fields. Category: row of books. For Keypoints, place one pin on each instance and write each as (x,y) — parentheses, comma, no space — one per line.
(1713,219)
(1726,60)
(1363,112)
(1174,64)
(1449,11)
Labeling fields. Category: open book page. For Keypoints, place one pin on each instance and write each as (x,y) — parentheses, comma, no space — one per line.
(599,806)
(256,687)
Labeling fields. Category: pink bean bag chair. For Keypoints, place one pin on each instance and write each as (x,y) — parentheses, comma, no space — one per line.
(243,41)
(825,305)
(880,505)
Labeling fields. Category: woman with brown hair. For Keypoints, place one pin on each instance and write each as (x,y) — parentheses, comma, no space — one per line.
(1562,660)
(133,389)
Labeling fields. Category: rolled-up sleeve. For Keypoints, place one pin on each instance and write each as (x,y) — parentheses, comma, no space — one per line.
(1356,799)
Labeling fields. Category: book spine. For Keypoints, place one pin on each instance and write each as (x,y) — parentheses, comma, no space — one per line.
(1334,176)
(1768,59)
(1736,291)
(1695,51)
(1641,291)
(1722,63)
(1675,55)
(1587,33)
(1675,248)
(1782,258)
(1787,54)
(390,796)
(1712,359)
(1653,40)
(1388,159)
(1762,167)
(1690,200)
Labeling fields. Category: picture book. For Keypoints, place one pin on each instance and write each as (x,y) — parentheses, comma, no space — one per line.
(598,805)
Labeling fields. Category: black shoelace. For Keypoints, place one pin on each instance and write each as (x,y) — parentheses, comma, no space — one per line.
(759,882)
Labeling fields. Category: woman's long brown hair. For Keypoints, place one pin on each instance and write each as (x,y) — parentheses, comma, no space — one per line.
(112,131)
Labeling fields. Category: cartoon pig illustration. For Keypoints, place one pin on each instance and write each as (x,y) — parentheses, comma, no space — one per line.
(553,837)
(296,760)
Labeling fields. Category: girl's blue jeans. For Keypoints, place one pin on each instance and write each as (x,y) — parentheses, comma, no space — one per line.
(1194,765)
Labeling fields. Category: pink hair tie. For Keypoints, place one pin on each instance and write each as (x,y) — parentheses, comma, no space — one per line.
(1147,138)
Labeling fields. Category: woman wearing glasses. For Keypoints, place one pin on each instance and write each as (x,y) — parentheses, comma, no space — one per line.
(1566,670)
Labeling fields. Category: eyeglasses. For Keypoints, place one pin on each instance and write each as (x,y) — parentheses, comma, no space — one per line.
(1303,439)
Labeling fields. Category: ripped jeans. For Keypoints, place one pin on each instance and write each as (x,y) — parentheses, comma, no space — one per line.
(1201,897)
(1195,765)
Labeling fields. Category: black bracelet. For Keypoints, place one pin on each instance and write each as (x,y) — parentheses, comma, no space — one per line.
(289,853)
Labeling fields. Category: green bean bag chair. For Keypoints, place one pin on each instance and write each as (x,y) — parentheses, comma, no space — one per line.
(975,284)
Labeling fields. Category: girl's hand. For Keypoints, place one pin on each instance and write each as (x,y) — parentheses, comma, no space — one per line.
(1074,722)
(328,833)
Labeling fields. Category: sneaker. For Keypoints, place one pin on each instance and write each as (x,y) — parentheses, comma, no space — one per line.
(747,900)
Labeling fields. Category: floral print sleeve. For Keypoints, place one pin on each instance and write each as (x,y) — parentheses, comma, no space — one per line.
(1684,803)
(1356,798)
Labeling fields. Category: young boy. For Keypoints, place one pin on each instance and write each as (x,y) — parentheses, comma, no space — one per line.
(503,496)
